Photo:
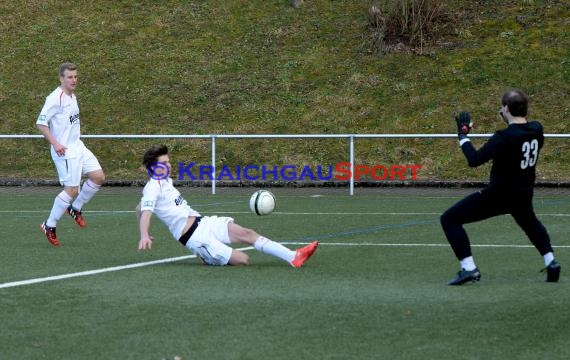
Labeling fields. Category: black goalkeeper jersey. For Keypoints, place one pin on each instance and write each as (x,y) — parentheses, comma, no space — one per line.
(514,151)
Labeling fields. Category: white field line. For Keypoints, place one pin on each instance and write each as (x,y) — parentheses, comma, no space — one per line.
(92,272)
(276,213)
(98,271)
(180,258)
(423,245)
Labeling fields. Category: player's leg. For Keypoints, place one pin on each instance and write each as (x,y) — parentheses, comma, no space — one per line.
(213,235)
(475,207)
(524,215)
(534,229)
(239,234)
(60,204)
(238,258)
(206,242)
(69,174)
(216,253)
(95,179)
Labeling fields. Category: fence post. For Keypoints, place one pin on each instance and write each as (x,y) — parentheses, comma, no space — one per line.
(351,160)
(213,164)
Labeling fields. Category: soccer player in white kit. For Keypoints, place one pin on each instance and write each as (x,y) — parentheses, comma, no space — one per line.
(208,237)
(60,125)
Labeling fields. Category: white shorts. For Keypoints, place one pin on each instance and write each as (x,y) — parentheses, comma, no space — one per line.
(209,240)
(71,169)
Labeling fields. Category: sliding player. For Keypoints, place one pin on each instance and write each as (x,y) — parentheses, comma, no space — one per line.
(208,237)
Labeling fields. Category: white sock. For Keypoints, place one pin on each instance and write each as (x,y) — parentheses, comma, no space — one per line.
(60,204)
(468,264)
(548,257)
(88,190)
(266,246)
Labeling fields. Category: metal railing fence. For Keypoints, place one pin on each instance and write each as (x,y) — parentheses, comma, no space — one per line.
(213,137)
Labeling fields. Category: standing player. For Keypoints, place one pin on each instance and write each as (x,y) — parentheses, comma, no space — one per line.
(514,152)
(59,123)
(208,237)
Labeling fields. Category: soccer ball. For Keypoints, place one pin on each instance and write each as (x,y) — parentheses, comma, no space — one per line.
(262,202)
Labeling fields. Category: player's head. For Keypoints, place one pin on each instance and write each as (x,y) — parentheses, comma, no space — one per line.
(68,77)
(66,66)
(516,101)
(152,155)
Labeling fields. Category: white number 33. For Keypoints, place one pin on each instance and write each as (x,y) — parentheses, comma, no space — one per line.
(530,153)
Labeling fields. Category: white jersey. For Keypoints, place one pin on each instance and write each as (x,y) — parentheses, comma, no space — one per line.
(162,198)
(61,114)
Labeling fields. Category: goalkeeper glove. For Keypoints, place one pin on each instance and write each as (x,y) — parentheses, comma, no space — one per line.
(464,124)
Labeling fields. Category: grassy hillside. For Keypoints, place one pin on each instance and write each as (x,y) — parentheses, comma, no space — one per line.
(257,66)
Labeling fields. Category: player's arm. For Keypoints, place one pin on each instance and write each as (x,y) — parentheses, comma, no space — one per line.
(144,212)
(485,153)
(48,112)
(147,227)
(474,157)
(47,134)
(145,241)
(138,213)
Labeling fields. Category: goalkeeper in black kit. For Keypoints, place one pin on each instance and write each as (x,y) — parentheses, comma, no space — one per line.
(514,152)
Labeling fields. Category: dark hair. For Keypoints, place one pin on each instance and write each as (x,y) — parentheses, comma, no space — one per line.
(517,101)
(151,155)
(66,66)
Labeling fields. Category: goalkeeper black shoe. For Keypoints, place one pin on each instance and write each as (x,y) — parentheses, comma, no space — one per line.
(465,276)
(552,271)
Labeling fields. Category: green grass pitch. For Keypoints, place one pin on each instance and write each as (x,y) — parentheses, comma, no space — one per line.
(375,289)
